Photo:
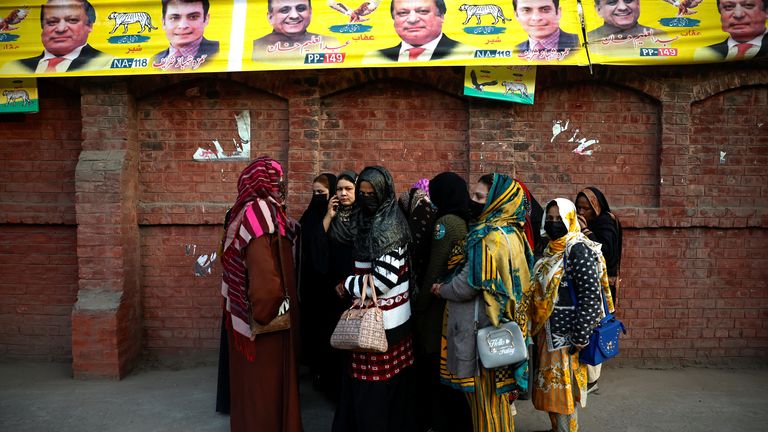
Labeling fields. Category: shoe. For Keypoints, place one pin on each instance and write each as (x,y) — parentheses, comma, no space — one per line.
(591,387)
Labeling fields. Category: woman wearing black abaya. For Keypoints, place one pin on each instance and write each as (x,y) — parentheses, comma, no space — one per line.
(599,224)
(375,394)
(315,284)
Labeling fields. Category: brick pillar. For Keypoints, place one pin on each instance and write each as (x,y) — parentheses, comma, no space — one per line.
(106,318)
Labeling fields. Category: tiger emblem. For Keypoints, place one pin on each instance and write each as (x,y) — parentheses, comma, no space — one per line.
(515,87)
(479,10)
(126,18)
(13,95)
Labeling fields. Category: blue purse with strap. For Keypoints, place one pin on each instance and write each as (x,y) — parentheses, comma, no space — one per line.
(604,340)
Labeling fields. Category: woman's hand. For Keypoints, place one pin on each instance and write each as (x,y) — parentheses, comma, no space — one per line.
(333,205)
(436,289)
(340,291)
(582,222)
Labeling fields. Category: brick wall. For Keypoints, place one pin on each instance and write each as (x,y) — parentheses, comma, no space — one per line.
(182,311)
(694,289)
(694,295)
(38,258)
(37,289)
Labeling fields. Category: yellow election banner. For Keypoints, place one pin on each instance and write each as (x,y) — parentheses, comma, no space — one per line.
(19,95)
(129,37)
(507,83)
(648,32)
(78,37)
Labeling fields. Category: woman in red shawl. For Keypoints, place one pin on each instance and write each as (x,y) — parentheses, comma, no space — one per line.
(258,275)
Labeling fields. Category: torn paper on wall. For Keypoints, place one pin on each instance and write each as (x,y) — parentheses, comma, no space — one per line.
(239,150)
(204,264)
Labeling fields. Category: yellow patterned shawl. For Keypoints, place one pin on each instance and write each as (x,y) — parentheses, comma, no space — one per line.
(549,268)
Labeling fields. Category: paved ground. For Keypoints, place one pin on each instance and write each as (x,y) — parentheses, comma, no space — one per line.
(43,397)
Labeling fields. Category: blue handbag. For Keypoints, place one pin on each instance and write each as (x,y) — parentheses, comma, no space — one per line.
(604,340)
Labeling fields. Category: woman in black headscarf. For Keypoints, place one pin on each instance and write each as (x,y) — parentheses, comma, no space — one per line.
(375,396)
(315,284)
(443,408)
(602,226)
(599,224)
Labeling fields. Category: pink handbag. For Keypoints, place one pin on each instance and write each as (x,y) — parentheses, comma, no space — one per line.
(361,327)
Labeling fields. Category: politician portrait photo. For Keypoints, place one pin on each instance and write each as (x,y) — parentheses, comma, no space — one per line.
(419,24)
(744,21)
(620,22)
(66,25)
(184,23)
(289,37)
(541,21)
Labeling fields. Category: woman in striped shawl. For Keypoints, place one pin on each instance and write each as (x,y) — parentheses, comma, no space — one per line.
(374,392)
(258,272)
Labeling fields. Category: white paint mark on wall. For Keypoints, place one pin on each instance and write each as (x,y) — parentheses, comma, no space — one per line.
(573,138)
(558,128)
(584,144)
(190,249)
(722,157)
(204,264)
(241,150)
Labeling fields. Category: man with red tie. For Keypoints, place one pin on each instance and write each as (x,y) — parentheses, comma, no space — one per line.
(744,21)
(419,23)
(66,25)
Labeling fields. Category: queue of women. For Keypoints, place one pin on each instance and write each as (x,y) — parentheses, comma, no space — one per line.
(445,259)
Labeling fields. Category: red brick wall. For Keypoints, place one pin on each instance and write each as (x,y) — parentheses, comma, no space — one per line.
(413,131)
(38,286)
(625,160)
(38,155)
(175,121)
(733,122)
(694,289)
(38,262)
(182,311)
(694,295)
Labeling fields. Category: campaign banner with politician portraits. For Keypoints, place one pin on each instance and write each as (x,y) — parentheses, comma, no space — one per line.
(647,32)
(130,37)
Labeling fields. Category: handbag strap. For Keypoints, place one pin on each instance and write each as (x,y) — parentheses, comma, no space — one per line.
(282,268)
(569,281)
(368,282)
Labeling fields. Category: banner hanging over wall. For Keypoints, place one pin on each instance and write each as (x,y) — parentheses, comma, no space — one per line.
(122,37)
(19,95)
(507,83)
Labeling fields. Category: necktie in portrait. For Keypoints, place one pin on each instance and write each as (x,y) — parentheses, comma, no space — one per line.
(414,53)
(52,63)
(741,50)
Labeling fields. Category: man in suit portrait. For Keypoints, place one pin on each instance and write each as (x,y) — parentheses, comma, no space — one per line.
(184,22)
(541,21)
(65,25)
(419,23)
(289,39)
(620,22)
(744,21)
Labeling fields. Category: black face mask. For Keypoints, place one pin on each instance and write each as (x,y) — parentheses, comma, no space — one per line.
(555,229)
(475,209)
(368,204)
(319,198)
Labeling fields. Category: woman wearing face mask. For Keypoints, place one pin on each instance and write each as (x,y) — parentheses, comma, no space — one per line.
(566,305)
(375,396)
(316,287)
(493,280)
(258,269)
